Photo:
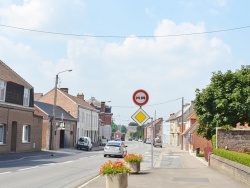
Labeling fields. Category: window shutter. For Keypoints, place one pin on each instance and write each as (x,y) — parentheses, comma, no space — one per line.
(14,93)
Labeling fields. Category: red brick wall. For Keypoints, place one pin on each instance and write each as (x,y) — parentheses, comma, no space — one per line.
(66,103)
(45,126)
(106,118)
(22,117)
(200,142)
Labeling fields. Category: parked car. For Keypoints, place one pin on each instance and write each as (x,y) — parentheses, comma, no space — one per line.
(130,139)
(148,141)
(84,143)
(103,142)
(118,139)
(140,140)
(157,142)
(115,148)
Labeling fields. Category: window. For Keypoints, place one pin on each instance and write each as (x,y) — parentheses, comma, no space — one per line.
(26,133)
(2,90)
(2,133)
(26,97)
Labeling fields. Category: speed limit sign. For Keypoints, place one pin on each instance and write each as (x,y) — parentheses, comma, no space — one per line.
(140,97)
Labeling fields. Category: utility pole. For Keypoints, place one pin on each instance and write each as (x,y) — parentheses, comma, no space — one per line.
(182,126)
(53,129)
(152,140)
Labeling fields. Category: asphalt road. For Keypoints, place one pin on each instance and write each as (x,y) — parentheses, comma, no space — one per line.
(66,169)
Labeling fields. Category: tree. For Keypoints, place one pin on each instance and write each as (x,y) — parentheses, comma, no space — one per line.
(123,129)
(132,124)
(225,101)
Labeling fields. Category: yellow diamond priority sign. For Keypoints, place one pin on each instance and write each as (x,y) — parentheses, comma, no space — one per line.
(140,116)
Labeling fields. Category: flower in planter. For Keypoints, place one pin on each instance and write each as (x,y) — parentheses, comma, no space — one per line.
(114,167)
(133,158)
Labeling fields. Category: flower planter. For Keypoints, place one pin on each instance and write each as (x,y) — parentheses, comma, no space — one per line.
(134,167)
(117,180)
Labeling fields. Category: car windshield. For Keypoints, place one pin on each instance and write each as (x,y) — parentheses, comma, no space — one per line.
(116,144)
(85,140)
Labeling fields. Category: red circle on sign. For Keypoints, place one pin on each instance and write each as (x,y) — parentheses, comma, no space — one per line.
(140,97)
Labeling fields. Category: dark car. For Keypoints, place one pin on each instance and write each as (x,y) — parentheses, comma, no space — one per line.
(130,139)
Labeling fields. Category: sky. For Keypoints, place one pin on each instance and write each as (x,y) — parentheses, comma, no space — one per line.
(116,47)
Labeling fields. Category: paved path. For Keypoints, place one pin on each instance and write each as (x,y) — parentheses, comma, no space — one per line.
(174,169)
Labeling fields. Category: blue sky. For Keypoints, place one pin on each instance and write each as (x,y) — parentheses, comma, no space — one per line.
(112,68)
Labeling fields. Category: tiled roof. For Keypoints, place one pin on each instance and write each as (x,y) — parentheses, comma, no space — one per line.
(37,96)
(7,74)
(192,116)
(179,113)
(77,100)
(94,101)
(190,129)
(155,122)
(48,108)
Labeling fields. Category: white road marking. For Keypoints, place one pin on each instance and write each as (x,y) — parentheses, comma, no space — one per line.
(65,162)
(28,168)
(5,173)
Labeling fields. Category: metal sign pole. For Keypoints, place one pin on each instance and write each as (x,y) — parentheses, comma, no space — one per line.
(152,137)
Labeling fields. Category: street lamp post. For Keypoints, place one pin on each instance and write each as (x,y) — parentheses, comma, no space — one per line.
(53,130)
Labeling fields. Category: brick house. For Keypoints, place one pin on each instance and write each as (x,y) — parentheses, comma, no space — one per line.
(66,126)
(87,116)
(105,118)
(175,121)
(105,111)
(191,140)
(158,127)
(20,129)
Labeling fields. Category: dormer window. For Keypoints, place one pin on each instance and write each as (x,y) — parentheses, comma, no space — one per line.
(26,97)
(2,90)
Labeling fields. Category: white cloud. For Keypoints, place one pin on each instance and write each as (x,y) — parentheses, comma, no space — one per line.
(31,14)
(219,3)
(168,68)
(150,12)
(37,14)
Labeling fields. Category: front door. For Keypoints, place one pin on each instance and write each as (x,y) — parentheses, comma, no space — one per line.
(62,138)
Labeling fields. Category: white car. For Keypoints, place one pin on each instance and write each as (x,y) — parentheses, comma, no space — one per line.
(115,148)
(148,141)
(84,143)
(140,140)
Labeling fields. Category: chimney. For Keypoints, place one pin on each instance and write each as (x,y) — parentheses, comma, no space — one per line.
(66,90)
(102,106)
(80,95)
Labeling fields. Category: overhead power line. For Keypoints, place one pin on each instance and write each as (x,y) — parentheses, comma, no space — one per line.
(131,36)
(148,105)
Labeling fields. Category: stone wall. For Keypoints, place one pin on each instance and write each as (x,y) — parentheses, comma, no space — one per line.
(235,170)
(234,139)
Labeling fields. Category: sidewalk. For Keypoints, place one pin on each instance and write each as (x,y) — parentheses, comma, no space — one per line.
(174,169)
(61,151)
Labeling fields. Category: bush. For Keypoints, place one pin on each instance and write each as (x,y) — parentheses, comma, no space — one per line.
(200,155)
(133,158)
(241,158)
(214,141)
(113,167)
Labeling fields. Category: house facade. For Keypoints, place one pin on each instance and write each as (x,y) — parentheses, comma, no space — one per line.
(157,129)
(87,116)
(20,129)
(175,121)
(66,126)
(105,118)
(192,141)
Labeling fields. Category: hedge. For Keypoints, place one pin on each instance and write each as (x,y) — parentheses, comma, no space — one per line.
(241,158)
